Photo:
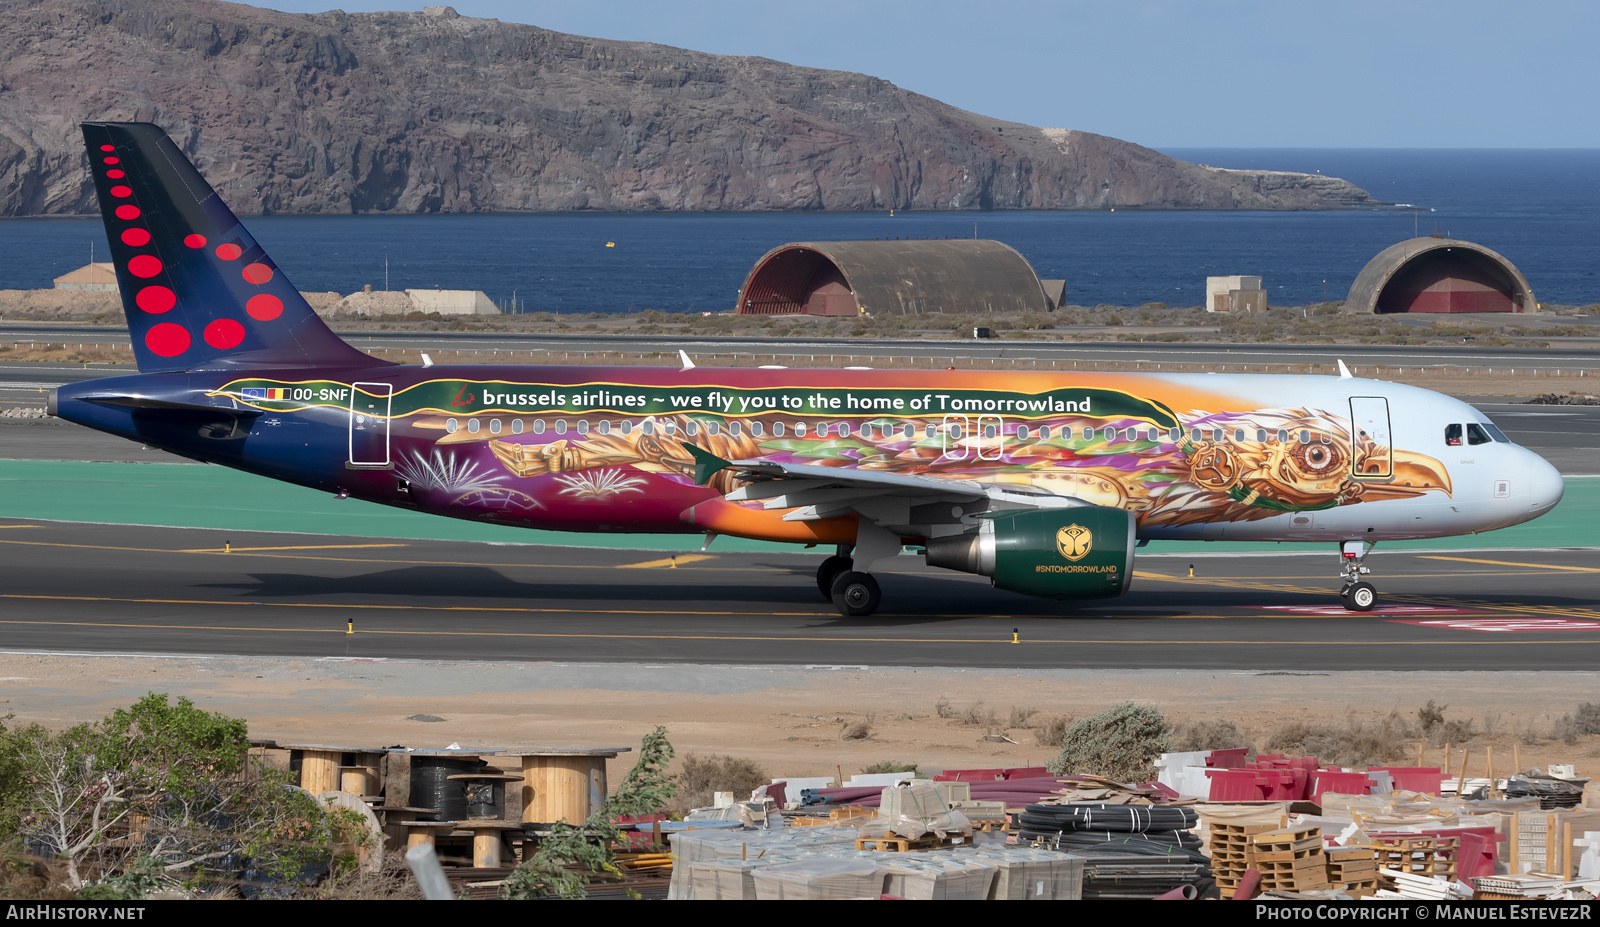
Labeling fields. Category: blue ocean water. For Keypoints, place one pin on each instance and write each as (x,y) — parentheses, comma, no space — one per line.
(1540,208)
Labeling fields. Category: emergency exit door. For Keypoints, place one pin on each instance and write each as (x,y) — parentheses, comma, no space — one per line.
(369,424)
(1371,447)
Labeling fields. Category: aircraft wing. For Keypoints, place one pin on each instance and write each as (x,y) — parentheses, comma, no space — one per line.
(891,500)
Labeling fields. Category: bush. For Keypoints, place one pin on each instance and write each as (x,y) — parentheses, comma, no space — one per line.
(703,776)
(1119,743)
(1051,731)
(1356,743)
(889,766)
(1209,734)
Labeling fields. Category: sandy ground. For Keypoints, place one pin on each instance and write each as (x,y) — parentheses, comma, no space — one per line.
(789,719)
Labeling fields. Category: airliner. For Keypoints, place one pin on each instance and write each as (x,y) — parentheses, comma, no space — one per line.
(1045,482)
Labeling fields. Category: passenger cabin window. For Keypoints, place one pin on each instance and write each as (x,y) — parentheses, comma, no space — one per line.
(516,426)
(757,429)
(928,431)
(712,428)
(777,429)
(1283,436)
(1305,436)
(671,428)
(627,427)
(1452,435)
(1022,432)
(538,426)
(734,428)
(494,426)
(605,428)
(1476,435)
(1044,432)
(1238,435)
(1088,434)
(648,427)
(691,428)
(800,429)
(844,430)
(1261,436)
(561,426)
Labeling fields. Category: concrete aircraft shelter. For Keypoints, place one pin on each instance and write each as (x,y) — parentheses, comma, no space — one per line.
(909,277)
(1440,275)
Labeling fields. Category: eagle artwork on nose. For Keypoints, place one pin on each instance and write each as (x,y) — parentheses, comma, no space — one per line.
(1307,463)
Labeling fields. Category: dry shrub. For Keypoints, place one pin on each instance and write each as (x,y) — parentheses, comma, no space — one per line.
(889,766)
(978,716)
(942,709)
(1430,718)
(1050,730)
(1355,743)
(1208,734)
(703,776)
(1021,717)
(392,882)
(857,730)
(1119,743)
(1586,720)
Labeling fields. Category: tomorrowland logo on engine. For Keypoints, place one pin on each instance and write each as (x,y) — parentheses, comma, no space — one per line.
(1074,542)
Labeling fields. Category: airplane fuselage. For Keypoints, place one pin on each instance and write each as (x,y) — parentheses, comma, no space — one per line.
(1193,456)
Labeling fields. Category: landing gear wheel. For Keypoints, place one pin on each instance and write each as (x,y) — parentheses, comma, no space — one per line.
(856,595)
(1360,597)
(830,570)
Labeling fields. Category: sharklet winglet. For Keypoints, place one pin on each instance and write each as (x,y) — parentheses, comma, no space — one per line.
(1344,372)
(684,356)
(706,464)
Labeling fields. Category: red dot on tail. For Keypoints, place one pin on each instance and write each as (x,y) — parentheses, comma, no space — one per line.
(127,211)
(120,191)
(156,299)
(264,307)
(224,334)
(195,241)
(115,174)
(138,238)
(229,252)
(168,339)
(257,273)
(111,160)
(108,148)
(144,265)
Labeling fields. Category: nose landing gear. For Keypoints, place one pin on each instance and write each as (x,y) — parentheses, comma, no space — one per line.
(1357,595)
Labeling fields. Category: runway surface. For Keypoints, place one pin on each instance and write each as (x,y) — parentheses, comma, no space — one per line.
(83,587)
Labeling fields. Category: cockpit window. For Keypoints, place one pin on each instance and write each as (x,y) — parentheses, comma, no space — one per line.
(1452,435)
(1496,433)
(1476,435)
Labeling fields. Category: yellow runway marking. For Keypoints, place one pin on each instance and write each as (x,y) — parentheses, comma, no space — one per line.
(19,526)
(1541,566)
(236,550)
(1004,640)
(668,562)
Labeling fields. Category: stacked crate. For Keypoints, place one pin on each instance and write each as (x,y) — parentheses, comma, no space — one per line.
(1426,856)
(1289,860)
(1230,846)
(1353,870)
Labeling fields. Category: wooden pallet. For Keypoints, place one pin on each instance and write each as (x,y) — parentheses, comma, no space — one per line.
(991,827)
(909,845)
(1418,855)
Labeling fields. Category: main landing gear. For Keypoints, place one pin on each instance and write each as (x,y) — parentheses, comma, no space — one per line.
(854,594)
(1357,594)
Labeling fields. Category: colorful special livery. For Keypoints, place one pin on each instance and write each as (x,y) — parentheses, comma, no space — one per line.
(1045,482)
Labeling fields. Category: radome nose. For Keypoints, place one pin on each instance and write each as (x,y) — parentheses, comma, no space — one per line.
(1547,486)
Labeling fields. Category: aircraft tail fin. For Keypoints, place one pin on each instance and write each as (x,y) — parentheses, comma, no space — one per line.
(199,292)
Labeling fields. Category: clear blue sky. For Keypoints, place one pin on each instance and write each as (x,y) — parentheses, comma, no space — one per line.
(1164,73)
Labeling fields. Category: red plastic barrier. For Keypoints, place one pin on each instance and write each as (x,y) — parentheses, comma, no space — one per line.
(1238,785)
(1227,759)
(1341,783)
(1476,857)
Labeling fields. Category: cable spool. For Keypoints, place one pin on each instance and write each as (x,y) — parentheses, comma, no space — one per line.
(431,786)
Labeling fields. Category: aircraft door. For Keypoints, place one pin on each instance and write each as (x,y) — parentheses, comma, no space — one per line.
(953,436)
(991,437)
(369,425)
(1371,445)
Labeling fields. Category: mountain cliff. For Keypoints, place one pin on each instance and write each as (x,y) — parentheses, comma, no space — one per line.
(434,112)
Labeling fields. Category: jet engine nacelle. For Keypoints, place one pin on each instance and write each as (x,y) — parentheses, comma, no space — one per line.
(1077,553)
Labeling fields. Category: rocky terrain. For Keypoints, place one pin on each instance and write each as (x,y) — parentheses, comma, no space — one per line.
(435,112)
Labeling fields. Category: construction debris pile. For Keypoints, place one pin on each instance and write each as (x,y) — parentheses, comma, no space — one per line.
(1210,824)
